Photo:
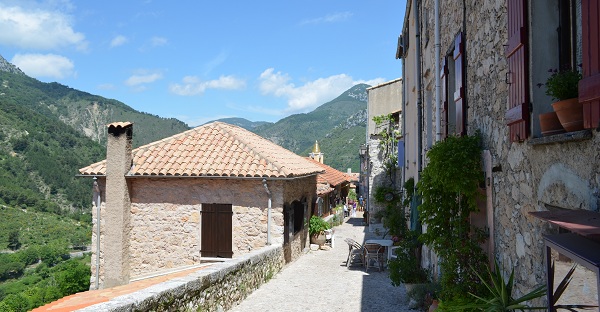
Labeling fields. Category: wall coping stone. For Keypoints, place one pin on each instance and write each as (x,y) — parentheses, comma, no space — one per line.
(148,298)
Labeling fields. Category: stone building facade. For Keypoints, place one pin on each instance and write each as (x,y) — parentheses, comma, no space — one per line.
(154,199)
(529,172)
(383,99)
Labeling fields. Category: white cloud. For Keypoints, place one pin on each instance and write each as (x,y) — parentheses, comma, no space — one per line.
(143,78)
(158,41)
(215,62)
(330,18)
(44,65)
(38,29)
(193,85)
(311,94)
(118,41)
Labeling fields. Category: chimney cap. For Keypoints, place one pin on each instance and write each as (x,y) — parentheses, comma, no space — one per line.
(117,128)
(121,124)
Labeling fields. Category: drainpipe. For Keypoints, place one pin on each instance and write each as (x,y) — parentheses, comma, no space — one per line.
(436,67)
(419,83)
(264,181)
(98,201)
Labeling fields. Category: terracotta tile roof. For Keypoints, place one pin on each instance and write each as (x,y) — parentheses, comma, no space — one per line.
(331,176)
(323,188)
(354,176)
(214,150)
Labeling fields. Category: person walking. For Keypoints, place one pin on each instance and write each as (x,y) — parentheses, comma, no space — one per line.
(360,203)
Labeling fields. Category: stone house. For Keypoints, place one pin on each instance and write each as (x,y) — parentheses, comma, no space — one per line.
(475,66)
(383,99)
(331,184)
(215,191)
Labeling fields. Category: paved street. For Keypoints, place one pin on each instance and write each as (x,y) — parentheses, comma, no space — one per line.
(320,281)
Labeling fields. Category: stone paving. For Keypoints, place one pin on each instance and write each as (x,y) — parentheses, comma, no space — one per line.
(320,281)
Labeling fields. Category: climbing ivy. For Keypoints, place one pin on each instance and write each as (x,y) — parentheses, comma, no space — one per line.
(449,189)
(388,141)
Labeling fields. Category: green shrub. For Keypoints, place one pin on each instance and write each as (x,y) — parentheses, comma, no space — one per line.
(449,187)
(317,225)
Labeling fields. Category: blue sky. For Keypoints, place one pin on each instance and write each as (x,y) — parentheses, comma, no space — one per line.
(203,60)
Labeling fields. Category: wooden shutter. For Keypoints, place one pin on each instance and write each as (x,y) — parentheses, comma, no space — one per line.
(217,230)
(517,77)
(444,95)
(459,81)
(589,86)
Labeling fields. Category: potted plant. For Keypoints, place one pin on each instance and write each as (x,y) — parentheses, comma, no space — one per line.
(563,86)
(405,268)
(316,230)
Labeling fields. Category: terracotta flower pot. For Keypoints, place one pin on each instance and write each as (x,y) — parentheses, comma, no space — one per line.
(570,114)
(434,305)
(549,124)
(318,239)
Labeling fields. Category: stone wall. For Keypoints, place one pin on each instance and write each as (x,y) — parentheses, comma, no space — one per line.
(384,99)
(217,288)
(166,217)
(302,190)
(527,176)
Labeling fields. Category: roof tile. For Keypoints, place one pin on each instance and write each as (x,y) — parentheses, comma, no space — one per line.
(214,149)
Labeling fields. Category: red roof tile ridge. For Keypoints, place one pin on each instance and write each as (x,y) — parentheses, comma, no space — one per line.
(261,156)
(249,142)
(331,175)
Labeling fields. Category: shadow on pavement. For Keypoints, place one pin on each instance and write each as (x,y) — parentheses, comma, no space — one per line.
(356,221)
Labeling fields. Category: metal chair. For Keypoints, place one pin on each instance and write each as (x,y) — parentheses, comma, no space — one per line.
(374,255)
(329,239)
(355,252)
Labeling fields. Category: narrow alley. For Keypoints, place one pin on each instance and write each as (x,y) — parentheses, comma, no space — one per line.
(320,281)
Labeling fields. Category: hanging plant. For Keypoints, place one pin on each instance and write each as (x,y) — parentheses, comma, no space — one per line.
(449,189)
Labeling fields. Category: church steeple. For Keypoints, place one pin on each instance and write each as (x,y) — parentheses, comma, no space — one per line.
(316,153)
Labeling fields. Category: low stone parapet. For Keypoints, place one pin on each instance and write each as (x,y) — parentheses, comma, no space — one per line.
(217,288)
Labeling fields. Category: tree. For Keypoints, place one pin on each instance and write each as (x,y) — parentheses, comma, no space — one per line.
(73,277)
(13,240)
(15,302)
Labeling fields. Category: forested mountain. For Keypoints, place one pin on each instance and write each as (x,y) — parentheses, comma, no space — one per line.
(47,132)
(339,126)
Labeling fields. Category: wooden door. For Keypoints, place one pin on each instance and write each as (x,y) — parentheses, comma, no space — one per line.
(216,235)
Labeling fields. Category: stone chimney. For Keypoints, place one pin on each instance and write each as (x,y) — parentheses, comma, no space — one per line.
(118,205)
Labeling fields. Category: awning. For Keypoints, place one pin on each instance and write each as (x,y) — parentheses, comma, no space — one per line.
(583,222)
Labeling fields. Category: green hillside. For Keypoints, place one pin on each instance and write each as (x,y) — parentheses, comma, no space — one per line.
(47,132)
(86,113)
(339,126)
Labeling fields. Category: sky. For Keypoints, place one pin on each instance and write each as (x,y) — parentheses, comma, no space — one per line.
(198,60)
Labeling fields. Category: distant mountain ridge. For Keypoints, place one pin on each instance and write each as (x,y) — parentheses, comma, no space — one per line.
(9,67)
(338,125)
(48,131)
(243,123)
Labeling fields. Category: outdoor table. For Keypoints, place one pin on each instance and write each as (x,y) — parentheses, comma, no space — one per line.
(387,243)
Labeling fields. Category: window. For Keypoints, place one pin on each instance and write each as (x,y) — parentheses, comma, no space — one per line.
(319,206)
(453,119)
(569,34)
(543,35)
(298,216)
